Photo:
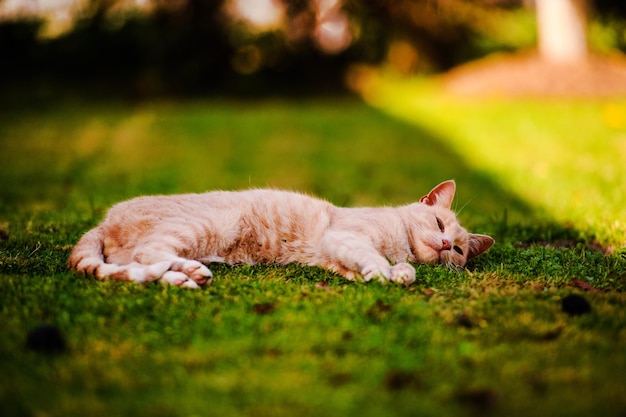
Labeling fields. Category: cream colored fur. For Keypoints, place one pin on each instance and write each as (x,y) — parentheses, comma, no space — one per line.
(172,238)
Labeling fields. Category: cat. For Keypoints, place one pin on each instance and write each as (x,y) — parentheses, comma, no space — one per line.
(171,238)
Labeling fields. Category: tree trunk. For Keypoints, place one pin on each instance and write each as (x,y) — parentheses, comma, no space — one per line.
(562,26)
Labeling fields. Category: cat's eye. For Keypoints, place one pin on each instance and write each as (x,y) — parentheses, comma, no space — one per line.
(440,224)
(458,250)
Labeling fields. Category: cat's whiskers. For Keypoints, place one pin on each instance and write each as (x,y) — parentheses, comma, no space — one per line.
(464,205)
(453,265)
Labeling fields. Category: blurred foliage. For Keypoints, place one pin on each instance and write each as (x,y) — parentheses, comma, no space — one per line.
(196,47)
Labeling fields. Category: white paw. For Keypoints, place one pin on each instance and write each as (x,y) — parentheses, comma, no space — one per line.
(179,279)
(190,284)
(148,273)
(194,270)
(156,271)
(371,271)
(403,273)
(176,278)
(351,276)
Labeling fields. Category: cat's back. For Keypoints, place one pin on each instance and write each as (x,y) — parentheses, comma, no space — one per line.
(260,199)
(276,204)
(276,208)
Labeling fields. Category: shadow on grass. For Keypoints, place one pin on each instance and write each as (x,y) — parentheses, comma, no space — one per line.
(66,164)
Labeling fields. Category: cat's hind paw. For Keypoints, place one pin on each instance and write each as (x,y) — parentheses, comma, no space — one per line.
(194,270)
(148,273)
(179,279)
(174,278)
(403,273)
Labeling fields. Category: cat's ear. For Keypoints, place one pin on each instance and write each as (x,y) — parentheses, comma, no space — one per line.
(442,195)
(478,244)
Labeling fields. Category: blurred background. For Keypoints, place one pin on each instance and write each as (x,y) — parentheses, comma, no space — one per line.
(358,101)
(144,48)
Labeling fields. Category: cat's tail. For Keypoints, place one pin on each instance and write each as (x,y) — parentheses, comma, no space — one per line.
(87,258)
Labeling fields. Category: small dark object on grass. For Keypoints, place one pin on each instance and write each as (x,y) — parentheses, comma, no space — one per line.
(465,320)
(264,308)
(379,309)
(478,397)
(575,305)
(46,338)
(398,380)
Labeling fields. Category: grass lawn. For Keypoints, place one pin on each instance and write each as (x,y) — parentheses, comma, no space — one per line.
(295,341)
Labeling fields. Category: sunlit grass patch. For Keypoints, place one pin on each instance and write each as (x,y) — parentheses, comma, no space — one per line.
(567,157)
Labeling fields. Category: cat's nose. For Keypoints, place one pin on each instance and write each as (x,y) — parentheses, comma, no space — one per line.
(446,244)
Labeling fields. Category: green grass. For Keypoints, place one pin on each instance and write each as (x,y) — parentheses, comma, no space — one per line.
(275,341)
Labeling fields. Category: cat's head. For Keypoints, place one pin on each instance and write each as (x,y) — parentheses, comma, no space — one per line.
(436,235)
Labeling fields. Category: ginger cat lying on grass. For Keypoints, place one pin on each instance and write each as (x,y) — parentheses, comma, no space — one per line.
(171,238)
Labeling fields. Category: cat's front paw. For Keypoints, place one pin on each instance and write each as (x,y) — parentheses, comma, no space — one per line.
(403,273)
(372,271)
